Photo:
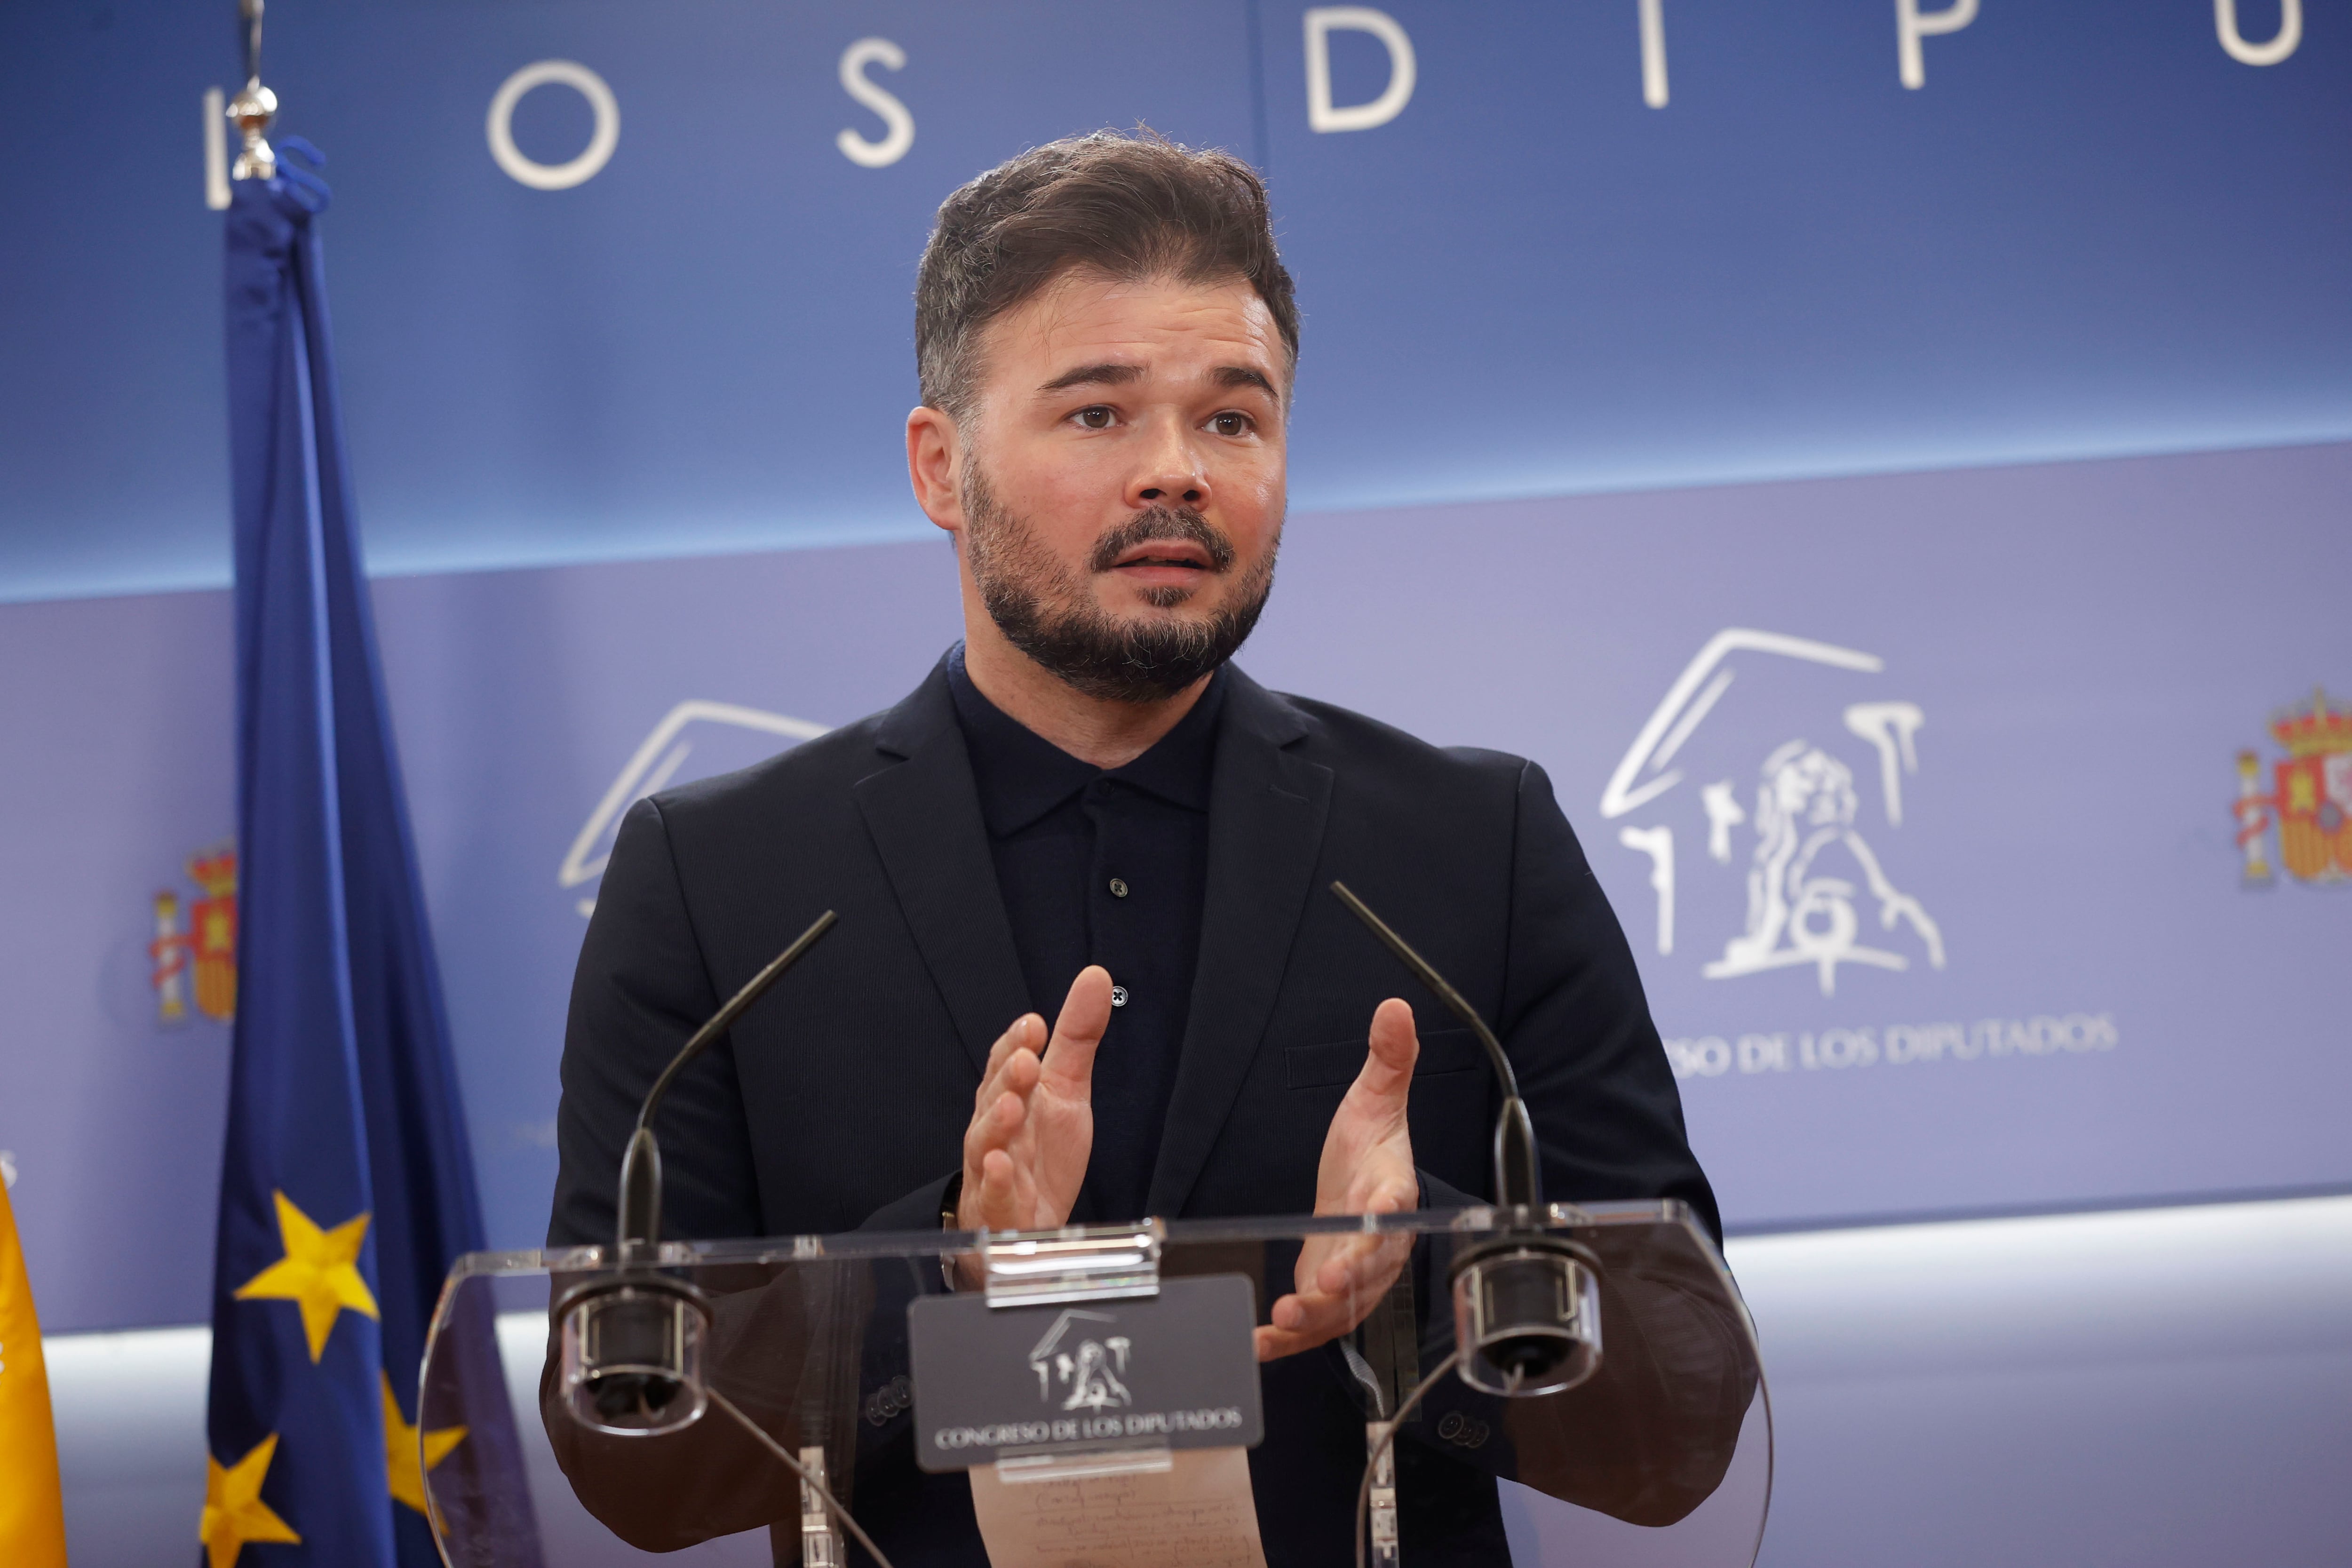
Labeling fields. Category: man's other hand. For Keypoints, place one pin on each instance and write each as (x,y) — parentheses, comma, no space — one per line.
(1367,1168)
(1033,1120)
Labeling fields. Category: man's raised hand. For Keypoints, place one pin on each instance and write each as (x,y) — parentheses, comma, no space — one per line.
(1033,1119)
(1367,1168)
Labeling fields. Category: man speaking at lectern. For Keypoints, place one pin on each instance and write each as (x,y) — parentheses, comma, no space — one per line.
(1086,814)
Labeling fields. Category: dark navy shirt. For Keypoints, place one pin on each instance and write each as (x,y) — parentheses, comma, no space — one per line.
(1108,866)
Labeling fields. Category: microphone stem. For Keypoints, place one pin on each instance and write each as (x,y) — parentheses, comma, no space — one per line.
(724,1019)
(1518,1181)
(640,1199)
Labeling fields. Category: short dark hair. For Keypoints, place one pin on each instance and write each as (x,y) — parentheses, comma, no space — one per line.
(1130,207)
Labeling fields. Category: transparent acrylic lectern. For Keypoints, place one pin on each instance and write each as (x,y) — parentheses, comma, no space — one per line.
(710,1389)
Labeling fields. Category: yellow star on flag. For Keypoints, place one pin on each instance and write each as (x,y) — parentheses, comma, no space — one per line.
(320,1273)
(234,1512)
(401,1454)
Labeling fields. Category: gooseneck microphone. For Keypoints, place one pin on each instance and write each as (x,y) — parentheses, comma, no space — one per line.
(633,1336)
(640,1199)
(1518,1183)
(1527,1302)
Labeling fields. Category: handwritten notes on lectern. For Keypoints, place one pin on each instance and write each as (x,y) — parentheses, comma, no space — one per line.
(1197,1513)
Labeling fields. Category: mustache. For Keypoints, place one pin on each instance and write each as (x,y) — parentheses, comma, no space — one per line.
(1181,524)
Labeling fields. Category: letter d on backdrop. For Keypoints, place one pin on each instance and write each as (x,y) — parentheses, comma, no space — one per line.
(1322,21)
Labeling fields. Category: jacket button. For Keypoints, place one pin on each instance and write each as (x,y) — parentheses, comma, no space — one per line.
(1119,996)
(1119,886)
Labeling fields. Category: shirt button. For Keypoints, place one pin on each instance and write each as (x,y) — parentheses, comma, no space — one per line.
(1119,996)
(1119,886)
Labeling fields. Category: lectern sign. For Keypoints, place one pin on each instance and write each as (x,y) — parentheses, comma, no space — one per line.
(1176,1370)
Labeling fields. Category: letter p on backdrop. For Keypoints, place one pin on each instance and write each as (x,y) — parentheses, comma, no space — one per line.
(1911,25)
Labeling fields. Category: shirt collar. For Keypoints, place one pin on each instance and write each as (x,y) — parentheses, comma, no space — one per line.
(1020,775)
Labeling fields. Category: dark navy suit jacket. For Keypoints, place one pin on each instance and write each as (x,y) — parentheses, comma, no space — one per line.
(840,1102)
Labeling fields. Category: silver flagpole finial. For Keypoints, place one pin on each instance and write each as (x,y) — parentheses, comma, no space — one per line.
(253,108)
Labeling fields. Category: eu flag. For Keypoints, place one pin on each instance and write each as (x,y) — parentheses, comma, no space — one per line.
(346,1187)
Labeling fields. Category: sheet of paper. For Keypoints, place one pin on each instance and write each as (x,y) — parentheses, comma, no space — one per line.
(1198,1513)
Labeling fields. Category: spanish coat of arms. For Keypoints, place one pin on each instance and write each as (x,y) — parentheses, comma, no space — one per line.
(2309,804)
(204,944)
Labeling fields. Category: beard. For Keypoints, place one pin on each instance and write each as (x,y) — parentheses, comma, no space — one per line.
(1046,611)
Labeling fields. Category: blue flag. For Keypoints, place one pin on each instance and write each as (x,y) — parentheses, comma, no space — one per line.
(347,1188)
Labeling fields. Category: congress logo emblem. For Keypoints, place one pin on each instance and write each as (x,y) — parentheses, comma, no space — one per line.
(1090,1370)
(2309,804)
(1788,818)
(694,739)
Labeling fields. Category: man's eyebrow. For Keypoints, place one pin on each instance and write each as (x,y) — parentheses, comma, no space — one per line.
(1115,372)
(1107,374)
(1236,375)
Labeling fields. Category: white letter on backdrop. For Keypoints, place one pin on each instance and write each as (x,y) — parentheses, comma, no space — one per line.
(600,142)
(1322,21)
(2290,34)
(1654,53)
(1911,25)
(898,124)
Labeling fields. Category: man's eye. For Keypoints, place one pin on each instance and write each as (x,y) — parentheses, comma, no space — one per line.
(1231,424)
(1095,418)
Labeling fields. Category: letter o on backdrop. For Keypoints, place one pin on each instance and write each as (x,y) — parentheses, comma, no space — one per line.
(600,142)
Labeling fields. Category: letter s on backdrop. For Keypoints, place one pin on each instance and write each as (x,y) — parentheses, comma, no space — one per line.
(1322,21)
(898,126)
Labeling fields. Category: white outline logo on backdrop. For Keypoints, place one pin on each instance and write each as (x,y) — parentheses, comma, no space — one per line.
(1807,822)
(656,762)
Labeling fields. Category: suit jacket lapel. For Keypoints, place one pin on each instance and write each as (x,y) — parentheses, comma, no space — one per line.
(1267,813)
(924,814)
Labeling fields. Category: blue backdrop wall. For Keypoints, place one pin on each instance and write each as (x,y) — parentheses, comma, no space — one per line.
(2003,700)
(2090,229)
(1999,711)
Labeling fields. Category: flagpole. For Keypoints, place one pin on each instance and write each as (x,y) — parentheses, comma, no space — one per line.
(253,108)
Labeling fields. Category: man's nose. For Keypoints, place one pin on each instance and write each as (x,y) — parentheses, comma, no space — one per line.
(1171,474)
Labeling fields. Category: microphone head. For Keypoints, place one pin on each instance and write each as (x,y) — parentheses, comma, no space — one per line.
(1527,1314)
(632,1346)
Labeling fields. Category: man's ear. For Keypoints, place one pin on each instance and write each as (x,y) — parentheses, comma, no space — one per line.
(934,462)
